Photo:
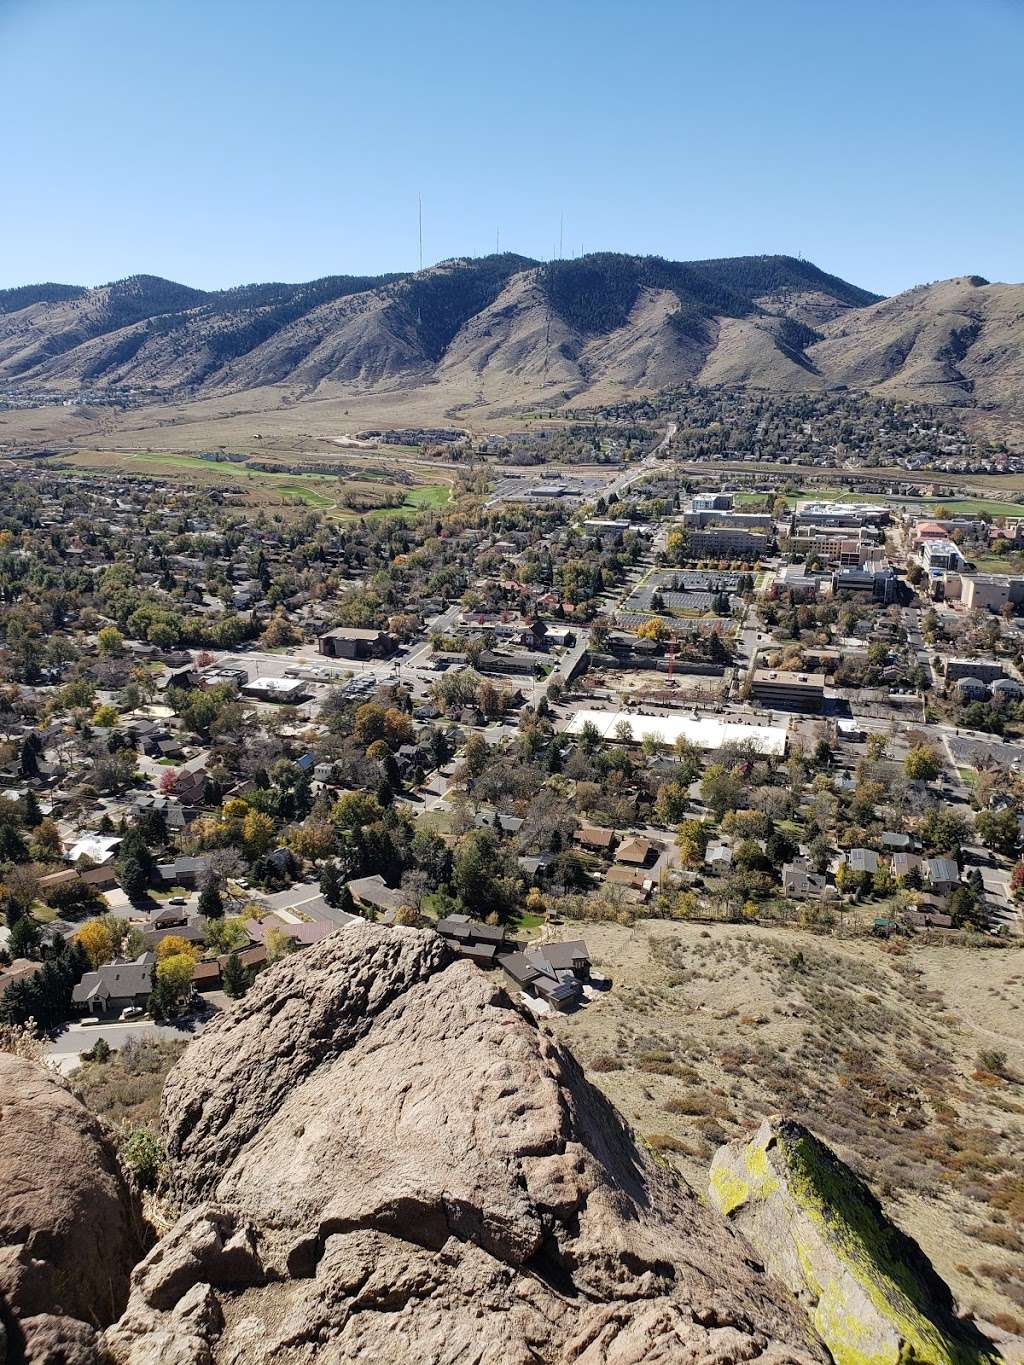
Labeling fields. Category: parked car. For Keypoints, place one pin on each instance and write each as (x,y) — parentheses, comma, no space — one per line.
(132,1012)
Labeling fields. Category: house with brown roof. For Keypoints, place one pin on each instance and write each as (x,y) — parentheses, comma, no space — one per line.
(596,838)
(636,851)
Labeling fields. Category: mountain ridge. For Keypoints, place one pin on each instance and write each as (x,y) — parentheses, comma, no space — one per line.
(512,331)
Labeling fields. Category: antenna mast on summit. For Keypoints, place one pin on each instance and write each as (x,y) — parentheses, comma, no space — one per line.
(420,205)
(561,225)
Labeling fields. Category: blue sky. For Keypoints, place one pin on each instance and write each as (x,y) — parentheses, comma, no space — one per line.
(223,141)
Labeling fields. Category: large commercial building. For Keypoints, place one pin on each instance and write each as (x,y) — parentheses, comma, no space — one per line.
(880,583)
(706,732)
(988,670)
(711,502)
(783,691)
(990,592)
(819,513)
(724,540)
(348,642)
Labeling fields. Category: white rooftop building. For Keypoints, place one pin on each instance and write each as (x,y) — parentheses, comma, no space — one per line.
(706,732)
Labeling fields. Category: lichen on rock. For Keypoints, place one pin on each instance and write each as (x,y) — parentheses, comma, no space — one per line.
(873,1295)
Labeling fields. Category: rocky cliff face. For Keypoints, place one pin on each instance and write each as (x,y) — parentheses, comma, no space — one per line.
(870,1290)
(69,1229)
(377,1156)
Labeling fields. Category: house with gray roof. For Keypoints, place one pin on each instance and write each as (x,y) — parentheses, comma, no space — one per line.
(114,987)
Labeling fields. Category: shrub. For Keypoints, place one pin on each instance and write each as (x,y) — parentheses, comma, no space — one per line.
(142,1153)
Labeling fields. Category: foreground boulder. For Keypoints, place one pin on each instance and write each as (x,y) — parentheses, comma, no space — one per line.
(872,1293)
(379,1157)
(69,1228)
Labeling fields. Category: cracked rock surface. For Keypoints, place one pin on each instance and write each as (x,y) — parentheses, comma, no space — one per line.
(378,1156)
(69,1227)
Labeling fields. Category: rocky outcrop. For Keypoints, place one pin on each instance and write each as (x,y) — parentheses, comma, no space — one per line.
(378,1156)
(872,1293)
(69,1228)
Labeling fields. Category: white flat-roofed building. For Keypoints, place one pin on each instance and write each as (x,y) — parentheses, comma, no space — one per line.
(276,689)
(706,732)
(818,512)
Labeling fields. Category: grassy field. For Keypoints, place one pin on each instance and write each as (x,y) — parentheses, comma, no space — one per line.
(321,491)
(907,1059)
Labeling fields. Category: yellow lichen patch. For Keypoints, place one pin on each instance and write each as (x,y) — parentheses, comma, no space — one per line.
(763,1178)
(727,1190)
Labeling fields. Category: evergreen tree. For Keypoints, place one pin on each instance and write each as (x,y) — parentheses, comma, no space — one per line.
(133,880)
(331,884)
(234,978)
(211,903)
(24,939)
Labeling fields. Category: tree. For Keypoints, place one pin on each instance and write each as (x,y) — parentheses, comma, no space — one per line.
(95,937)
(278,944)
(174,946)
(226,934)
(653,629)
(173,985)
(922,763)
(999,829)
(475,756)
(473,877)
(355,810)
(24,938)
(110,642)
(234,978)
(720,790)
(142,1154)
(257,833)
(133,879)
(331,884)
(211,903)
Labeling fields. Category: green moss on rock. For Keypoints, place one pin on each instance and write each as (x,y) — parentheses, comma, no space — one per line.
(873,1295)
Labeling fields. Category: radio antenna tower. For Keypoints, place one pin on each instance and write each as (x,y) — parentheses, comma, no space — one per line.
(420,205)
(497,241)
(561,225)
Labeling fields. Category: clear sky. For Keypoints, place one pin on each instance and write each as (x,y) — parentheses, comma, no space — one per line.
(223,141)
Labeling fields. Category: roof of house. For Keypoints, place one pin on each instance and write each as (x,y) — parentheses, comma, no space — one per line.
(562,956)
(595,836)
(465,930)
(941,870)
(634,850)
(375,891)
(862,860)
(119,980)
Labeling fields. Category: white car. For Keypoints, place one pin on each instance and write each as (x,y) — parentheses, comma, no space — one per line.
(132,1012)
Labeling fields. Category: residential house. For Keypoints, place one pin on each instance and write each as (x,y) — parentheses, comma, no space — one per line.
(551,971)
(469,938)
(375,895)
(862,860)
(596,838)
(802,883)
(116,986)
(942,875)
(636,852)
